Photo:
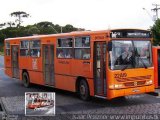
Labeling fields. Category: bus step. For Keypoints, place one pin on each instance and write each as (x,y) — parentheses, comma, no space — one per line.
(100,96)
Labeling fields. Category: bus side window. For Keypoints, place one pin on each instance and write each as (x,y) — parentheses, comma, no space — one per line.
(24,48)
(35,50)
(64,48)
(7,46)
(82,47)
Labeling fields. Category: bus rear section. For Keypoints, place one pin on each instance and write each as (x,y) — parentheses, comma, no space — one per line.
(11,60)
(156,62)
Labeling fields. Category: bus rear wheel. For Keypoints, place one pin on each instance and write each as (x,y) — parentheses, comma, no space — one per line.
(25,79)
(83,90)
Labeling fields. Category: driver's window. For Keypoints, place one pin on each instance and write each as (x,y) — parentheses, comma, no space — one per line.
(121,54)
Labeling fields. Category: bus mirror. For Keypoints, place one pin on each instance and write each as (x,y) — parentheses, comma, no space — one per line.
(109,46)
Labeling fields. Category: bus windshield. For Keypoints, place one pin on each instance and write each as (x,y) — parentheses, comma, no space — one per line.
(130,54)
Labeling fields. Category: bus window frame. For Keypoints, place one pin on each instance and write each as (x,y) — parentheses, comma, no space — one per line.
(34,48)
(72,48)
(28,48)
(82,47)
(6,48)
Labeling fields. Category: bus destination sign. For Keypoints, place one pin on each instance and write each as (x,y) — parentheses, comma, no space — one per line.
(130,34)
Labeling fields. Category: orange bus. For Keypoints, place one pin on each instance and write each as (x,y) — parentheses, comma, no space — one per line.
(105,64)
(156,62)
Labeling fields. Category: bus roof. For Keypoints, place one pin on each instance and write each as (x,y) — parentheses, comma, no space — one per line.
(71,34)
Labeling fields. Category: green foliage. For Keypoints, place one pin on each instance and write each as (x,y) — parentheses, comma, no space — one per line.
(33,30)
(69,28)
(14,29)
(41,28)
(156,32)
(46,28)
(2,37)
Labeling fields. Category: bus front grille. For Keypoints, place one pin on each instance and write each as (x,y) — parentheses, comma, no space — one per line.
(133,84)
(147,77)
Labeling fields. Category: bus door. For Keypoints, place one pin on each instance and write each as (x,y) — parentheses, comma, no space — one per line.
(14,61)
(100,68)
(48,64)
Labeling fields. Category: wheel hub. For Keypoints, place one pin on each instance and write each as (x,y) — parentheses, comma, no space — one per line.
(82,89)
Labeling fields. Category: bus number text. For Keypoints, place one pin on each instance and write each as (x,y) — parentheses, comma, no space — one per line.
(120,75)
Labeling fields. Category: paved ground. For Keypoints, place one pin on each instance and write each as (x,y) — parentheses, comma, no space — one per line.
(69,106)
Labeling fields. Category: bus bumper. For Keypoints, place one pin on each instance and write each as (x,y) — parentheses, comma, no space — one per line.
(130,91)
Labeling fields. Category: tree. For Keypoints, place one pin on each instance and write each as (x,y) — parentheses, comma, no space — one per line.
(19,15)
(46,27)
(11,24)
(33,30)
(44,24)
(2,37)
(156,32)
(39,28)
(2,25)
(10,32)
(69,28)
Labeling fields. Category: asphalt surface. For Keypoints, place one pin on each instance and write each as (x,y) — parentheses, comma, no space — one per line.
(69,106)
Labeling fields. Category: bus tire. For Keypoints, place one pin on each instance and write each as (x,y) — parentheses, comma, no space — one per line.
(25,79)
(83,90)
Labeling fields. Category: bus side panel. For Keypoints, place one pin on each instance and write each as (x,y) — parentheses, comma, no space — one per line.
(8,71)
(63,66)
(155,63)
(7,65)
(34,68)
(63,77)
(65,82)
(7,61)
(24,62)
(36,77)
(81,68)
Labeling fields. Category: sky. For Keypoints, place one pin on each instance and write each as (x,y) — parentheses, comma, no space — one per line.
(88,14)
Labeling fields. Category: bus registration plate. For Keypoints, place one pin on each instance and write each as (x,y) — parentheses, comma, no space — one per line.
(135,90)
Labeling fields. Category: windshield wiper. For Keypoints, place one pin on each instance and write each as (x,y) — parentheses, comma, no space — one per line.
(145,66)
(126,64)
(124,67)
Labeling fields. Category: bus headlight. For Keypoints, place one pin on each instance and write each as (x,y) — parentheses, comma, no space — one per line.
(116,86)
(149,82)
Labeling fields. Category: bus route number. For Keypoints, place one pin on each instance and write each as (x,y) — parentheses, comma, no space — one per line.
(120,75)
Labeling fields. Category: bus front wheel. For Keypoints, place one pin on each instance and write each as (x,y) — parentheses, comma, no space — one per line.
(84,90)
(25,79)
